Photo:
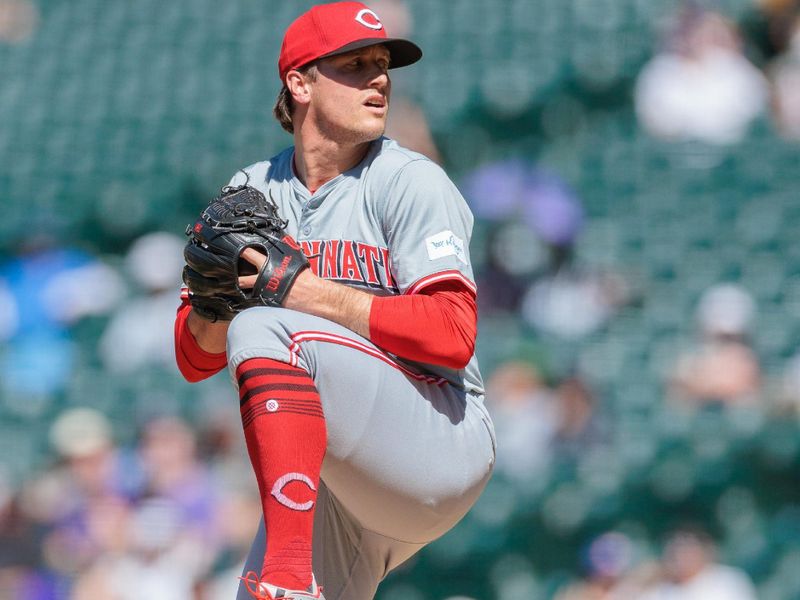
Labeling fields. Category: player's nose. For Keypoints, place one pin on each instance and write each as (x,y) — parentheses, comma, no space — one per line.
(381,84)
(378,78)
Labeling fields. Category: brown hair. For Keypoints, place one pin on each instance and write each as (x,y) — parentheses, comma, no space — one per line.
(284,104)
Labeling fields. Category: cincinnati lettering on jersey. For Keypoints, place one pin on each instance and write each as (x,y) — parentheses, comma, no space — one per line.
(350,262)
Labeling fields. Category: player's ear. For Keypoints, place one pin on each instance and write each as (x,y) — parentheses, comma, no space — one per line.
(299,86)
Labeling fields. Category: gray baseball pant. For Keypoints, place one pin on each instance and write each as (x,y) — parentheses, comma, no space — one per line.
(407,454)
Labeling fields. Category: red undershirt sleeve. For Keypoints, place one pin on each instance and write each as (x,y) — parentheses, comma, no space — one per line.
(194,363)
(437,325)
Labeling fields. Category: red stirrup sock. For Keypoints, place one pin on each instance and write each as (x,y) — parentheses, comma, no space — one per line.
(284,428)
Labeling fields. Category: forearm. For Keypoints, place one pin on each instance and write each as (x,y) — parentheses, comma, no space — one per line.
(437,326)
(339,303)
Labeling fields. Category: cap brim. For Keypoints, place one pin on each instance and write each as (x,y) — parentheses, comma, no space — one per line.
(402,52)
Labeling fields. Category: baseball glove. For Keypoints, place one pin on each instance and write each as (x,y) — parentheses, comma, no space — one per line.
(239,218)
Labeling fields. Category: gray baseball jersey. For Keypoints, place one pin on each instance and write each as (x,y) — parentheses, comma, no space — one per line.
(409,446)
(391,225)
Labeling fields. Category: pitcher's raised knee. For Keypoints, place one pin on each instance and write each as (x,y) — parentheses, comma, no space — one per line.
(261,332)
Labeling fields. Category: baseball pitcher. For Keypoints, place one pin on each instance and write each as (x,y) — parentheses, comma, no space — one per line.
(334,282)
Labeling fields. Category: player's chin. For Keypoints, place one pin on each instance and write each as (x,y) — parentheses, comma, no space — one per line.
(369,132)
(376,126)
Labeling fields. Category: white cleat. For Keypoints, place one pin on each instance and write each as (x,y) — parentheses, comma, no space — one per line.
(261,590)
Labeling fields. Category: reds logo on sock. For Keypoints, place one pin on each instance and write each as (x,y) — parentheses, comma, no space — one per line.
(282,482)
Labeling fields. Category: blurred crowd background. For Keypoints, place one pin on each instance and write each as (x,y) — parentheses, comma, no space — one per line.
(633,167)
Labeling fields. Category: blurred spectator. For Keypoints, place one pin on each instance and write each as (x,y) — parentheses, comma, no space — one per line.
(395,16)
(161,562)
(701,87)
(690,572)
(43,292)
(513,258)
(609,562)
(572,301)
(535,219)
(83,502)
(20,550)
(525,417)
(140,332)
(408,125)
(222,450)
(786,395)
(580,428)
(768,27)
(173,472)
(19,19)
(514,190)
(106,523)
(18,543)
(538,219)
(785,77)
(83,438)
(723,367)
(125,528)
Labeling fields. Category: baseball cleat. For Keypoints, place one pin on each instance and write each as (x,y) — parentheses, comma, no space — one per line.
(261,590)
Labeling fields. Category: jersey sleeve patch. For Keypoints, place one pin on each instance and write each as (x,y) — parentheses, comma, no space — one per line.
(445,243)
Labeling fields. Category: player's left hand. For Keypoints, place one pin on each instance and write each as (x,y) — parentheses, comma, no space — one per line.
(239,255)
(298,288)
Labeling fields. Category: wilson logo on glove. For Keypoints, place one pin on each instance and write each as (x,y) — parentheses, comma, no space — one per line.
(280,271)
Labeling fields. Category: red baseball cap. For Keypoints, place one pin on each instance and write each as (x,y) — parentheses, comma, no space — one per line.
(336,28)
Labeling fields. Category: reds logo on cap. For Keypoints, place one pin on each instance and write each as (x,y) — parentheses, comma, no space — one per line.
(337,28)
(368,18)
